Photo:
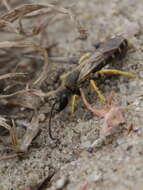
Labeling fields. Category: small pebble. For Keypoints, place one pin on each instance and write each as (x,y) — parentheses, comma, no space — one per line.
(61,183)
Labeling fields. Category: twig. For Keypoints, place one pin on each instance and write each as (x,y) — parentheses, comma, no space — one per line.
(12,156)
(6,4)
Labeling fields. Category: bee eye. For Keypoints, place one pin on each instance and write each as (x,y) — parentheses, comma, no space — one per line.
(63,102)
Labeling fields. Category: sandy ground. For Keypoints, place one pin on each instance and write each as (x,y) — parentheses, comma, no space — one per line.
(117,165)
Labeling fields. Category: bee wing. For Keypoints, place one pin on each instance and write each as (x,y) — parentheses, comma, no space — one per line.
(98,60)
(90,65)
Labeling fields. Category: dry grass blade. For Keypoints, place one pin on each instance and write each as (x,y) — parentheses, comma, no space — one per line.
(14,137)
(69,60)
(16,44)
(30,134)
(16,37)
(10,25)
(31,91)
(27,100)
(43,75)
(4,124)
(6,4)
(38,13)
(15,93)
(14,14)
(12,131)
(12,156)
(11,75)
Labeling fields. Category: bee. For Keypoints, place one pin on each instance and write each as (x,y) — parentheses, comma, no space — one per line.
(106,52)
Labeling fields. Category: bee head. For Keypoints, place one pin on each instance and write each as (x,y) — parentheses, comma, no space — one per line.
(62,99)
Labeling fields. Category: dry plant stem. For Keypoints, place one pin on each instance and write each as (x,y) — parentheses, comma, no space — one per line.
(30,134)
(11,75)
(12,131)
(41,27)
(10,26)
(12,156)
(20,28)
(17,93)
(43,75)
(35,31)
(6,4)
(14,44)
(14,138)
(25,9)
(31,91)
(38,13)
(4,124)
(70,60)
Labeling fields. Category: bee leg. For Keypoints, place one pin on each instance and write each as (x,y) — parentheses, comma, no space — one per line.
(73,102)
(116,72)
(85,56)
(63,76)
(100,95)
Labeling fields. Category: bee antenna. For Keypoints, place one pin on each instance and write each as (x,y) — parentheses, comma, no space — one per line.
(50,120)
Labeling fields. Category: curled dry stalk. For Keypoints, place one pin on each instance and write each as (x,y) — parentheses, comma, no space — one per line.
(31,132)
(12,132)
(20,13)
(20,42)
(26,9)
